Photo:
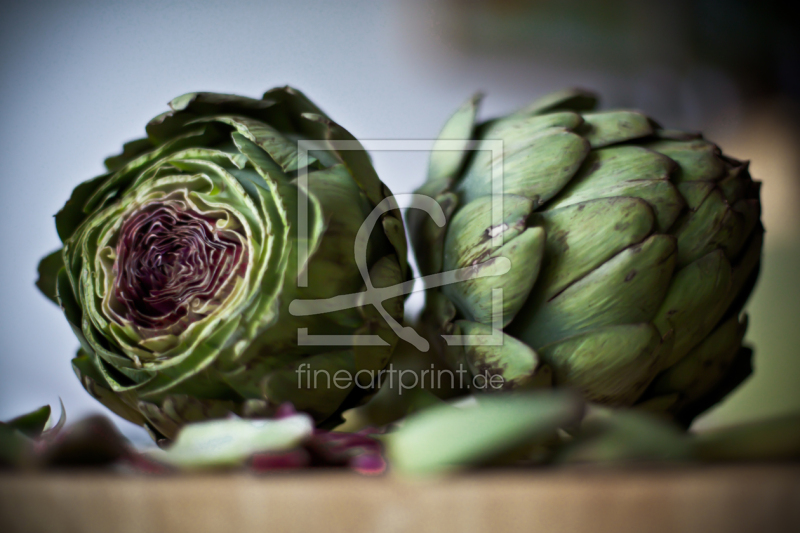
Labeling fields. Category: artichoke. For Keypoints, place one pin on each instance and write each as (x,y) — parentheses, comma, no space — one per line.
(179,265)
(623,253)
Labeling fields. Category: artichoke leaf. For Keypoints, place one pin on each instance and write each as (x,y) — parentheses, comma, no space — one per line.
(71,216)
(445,438)
(736,184)
(515,130)
(31,424)
(775,439)
(698,159)
(122,403)
(504,365)
(573,248)
(191,106)
(704,366)
(537,168)
(628,288)
(457,134)
(627,436)
(229,443)
(259,158)
(130,150)
(196,138)
(712,226)
(629,171)
(316,384)
(694,303)
(474,296)
(568,99)
(48,270)
(745,267)
(280,149)
(611,365)
(472,233)
(427,234)
(612,127)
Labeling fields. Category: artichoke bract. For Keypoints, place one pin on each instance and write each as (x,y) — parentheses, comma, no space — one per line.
(624,252)
(179,265)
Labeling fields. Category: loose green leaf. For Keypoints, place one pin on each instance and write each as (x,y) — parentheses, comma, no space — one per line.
(626,436)
(447,438)
(229,443)
(776,439)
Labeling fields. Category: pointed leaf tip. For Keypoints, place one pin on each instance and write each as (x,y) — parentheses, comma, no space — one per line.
(31,424)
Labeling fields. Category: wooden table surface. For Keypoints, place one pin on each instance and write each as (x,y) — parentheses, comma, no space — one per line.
(758,498)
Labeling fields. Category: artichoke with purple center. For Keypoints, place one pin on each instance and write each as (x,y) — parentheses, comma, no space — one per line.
(632,250)
(179,265)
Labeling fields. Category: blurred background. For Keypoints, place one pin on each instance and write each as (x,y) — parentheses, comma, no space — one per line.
(79,78)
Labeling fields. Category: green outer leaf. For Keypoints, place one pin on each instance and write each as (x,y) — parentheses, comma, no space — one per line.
(514,361)
(513,130)
(611,127)
(570,99)
(704,366)
(48,270)
(740,369)
(745,272)
(628,288)
(293,104)
(130,150)
(470,244)
(766,440)
(361,170)
(713,225)
(573,249)
(72,215)
(282,150)
(629,171)
(447,438)
(31,424)
(66,299)
(559,154)
(611,365)
(195,138)
(121,403)
(627,436)
(229,443)
(264,164)
(317,387)
(191,364)
(385,273)
(698,159)
(695,302)
(191,106)
(427,235)
(444,164)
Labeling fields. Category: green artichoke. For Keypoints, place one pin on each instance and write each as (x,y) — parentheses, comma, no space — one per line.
(624,251)
(179,265)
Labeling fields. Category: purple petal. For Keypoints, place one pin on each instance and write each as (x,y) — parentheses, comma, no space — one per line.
(369,464)
(264,462)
